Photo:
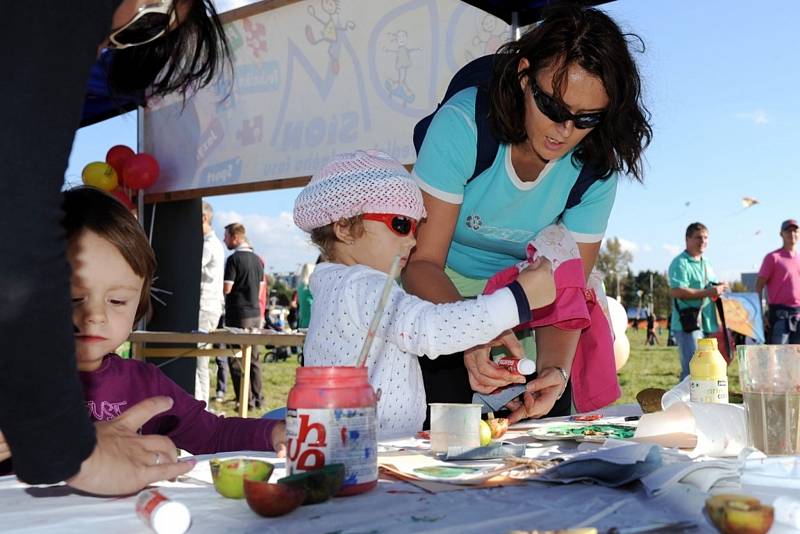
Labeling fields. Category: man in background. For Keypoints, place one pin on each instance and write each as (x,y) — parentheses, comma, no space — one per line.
(212,300)
(244,277)
(780,273)
(692,284)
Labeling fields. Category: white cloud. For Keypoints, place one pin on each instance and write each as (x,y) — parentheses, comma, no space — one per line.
(646,247)
(630,246)
(672,249)
(276,239)
(758,116)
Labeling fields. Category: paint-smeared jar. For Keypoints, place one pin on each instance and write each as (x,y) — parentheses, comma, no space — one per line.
(331,418)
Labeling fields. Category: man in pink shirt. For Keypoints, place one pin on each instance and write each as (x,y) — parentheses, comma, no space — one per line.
(780,273)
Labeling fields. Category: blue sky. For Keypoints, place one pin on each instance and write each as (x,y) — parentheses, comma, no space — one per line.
(721,79)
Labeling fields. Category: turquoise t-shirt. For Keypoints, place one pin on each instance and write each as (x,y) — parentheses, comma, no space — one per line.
(499,212)
(690,273)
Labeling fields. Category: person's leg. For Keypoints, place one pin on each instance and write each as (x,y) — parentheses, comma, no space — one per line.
(256,396)
(780,331)
(222,377)
(206,322)
(235,367)
(687,344)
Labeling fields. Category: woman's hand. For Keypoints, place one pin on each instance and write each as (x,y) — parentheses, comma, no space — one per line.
(543,392)
(484,375)
(278,439)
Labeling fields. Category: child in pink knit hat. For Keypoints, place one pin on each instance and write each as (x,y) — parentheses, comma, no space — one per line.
(362,210)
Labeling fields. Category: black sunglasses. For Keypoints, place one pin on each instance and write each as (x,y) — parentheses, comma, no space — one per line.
(150,22)
(557,113)
(399,224)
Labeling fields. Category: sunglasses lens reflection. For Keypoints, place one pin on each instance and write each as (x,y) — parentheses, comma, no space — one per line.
(401,225)
(146,27)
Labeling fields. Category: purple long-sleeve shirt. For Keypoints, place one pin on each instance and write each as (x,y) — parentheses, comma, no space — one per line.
(119,384)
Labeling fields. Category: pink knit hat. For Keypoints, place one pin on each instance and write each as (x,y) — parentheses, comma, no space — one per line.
(364,181)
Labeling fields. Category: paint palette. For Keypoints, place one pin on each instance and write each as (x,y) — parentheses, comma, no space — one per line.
(593,432)
(458,474)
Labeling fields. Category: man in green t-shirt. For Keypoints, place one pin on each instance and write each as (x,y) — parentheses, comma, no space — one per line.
(692,284)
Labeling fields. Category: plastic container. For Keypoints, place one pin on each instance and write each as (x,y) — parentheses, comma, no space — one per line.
(162,514)
(709,373)
(455,425)
(521,366)
(331,418)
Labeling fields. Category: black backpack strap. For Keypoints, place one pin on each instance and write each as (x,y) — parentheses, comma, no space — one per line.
(476,73)
(487,145)
(586,178)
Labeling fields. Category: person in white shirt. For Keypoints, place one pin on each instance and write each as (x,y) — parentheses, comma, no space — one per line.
(212,298)
(361,210)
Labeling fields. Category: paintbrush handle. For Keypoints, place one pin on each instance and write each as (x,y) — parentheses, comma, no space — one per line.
(394,270)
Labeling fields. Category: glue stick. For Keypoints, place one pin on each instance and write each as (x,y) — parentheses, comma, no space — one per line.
(162,514)
(522,366)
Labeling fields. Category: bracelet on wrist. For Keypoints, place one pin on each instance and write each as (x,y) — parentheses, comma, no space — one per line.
(564,376)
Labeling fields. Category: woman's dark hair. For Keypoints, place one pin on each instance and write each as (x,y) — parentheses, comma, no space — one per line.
(184,60)
(87,208)
(590,39)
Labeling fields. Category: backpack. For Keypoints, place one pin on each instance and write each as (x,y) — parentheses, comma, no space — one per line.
(477,73)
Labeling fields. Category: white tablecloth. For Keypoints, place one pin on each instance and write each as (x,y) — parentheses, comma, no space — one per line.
(392,507)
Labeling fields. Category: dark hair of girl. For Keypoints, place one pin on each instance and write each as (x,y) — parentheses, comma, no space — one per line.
(590,39)
(184,60)
(87,208)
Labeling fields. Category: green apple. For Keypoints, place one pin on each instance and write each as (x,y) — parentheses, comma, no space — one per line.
(486,433)
(228,475)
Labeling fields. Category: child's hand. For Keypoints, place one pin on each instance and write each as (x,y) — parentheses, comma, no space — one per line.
(538,283)
(5,451)
(278,439)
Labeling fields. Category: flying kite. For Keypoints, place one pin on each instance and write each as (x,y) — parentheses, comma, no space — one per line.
(749,202)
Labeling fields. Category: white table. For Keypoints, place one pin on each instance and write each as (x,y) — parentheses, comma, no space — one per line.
(394,507)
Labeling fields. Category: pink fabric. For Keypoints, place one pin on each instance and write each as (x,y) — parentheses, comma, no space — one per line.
(594,372)
(781,270)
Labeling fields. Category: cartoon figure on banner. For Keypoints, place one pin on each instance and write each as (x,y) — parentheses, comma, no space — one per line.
(489,37)
(256,37)
(331,25)
(252,131)
(402,63)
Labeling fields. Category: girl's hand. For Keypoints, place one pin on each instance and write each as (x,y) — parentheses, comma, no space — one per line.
(5,451)
(484,375)
(278,439)
(543,392)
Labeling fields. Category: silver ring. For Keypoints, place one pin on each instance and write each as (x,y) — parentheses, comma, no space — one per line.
(158,458)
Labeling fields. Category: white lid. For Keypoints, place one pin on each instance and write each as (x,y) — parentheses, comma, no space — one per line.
(526,366)
(171,517)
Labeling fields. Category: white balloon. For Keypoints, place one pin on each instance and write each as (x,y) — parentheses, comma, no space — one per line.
(622,349)
(619,317)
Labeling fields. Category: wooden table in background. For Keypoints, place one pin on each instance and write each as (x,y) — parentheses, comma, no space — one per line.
(243,343)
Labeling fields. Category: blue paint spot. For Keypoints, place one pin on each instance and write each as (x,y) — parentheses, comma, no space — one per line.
(337,414)
(350,480)
(354,434)
(367,452)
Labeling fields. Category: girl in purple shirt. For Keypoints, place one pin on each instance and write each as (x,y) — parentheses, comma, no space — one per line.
(112,269)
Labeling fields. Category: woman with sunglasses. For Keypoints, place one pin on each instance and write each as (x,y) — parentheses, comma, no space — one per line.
(564,96)
(48,49)
(362,211)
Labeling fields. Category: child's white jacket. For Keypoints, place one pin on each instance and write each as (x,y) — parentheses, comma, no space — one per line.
(345,299)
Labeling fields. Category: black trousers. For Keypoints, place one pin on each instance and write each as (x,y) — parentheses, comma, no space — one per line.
(446,380)
(256,396)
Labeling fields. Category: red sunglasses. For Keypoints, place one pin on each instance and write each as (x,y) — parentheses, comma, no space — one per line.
(399,224)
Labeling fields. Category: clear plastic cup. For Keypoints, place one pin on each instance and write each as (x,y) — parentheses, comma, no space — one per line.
(770,381)
(455,425)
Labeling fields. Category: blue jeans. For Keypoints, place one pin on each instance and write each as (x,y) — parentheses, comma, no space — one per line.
(781,335)
(687,344)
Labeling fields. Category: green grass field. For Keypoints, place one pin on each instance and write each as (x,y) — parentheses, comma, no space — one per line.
(646,367)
